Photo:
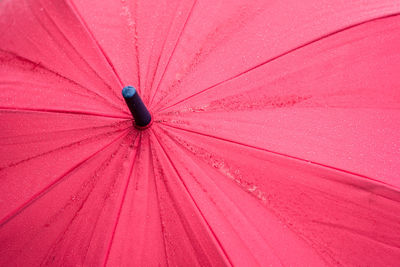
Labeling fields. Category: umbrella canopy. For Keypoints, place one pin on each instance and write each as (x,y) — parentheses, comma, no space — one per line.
(272,134)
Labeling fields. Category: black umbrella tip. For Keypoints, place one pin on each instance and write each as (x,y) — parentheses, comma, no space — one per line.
(128,91)
(136,106)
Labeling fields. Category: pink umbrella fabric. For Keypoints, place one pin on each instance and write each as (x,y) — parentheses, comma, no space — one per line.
(275,138)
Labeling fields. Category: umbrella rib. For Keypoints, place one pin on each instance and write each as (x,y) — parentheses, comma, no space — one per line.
(57,181)
(136,145)
(279,56)
(172,53)
(286,156)
(73,112)
(192,198)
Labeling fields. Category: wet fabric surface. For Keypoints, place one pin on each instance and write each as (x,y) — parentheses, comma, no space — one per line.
(275,141)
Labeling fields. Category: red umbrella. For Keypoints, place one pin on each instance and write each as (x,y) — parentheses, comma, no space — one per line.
(269,133)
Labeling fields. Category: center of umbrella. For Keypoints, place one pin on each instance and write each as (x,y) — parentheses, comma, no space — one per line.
(138,109)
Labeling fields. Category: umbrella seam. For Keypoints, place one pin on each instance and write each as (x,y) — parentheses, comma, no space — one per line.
(73,112)
(81,206)
(282,55)
(228,199)
(158,205)
(51,19)
(194,202)
(172,53)
(289,156)
(44,191)
(62,147)
(105,126)
(122,200)
(91,35)
(150,96)
(41,66)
